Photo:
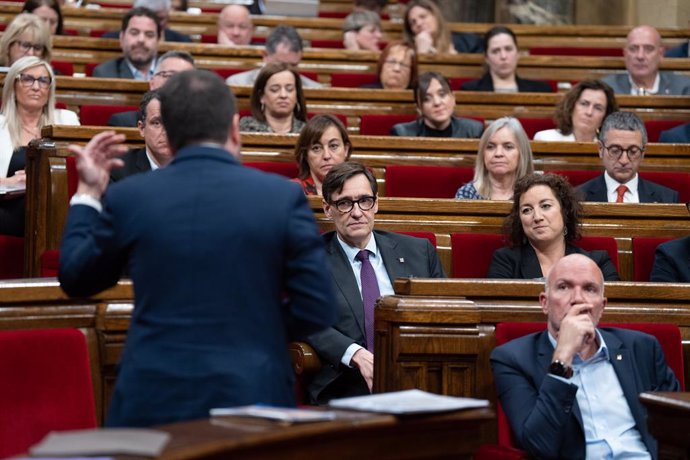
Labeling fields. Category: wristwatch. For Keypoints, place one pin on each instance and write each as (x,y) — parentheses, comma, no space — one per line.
(559,369)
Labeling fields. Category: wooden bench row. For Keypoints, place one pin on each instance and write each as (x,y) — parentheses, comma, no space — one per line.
(47,190)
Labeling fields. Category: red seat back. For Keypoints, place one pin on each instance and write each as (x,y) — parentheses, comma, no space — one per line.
(472,253)
(426,181)
(656,127)
(45,386)
(63,68)
(668,336)
(431,236)
(353,80)
(283,168)
(576,176)
(98,115)
(600,243)
(643,250)
(380,125)
(678,181)
(11,258)
(533,125)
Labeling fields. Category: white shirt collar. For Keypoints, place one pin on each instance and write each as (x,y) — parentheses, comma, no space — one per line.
(631,196)
(351,251)
(636,91)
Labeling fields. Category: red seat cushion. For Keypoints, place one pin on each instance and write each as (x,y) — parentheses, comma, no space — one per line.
(643,249)
(98,115)
(63,68)
(600,243)
(431,236)
(11,257)
(472,253)
(656,127)
(45,386)
(353,80)
(426,181)
(678,181)
(380,125)
(577,176)
(534,125)
(50,263)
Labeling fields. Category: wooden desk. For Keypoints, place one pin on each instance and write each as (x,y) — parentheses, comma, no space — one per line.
(353,436)
(668,419)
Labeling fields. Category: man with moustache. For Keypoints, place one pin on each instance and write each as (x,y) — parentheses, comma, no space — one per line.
(139,37)
(572,390)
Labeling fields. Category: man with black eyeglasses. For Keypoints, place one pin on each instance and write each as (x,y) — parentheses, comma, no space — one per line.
(622,141)
(364,263)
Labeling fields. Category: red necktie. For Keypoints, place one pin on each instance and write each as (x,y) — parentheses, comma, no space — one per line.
(621,191)
(370,292)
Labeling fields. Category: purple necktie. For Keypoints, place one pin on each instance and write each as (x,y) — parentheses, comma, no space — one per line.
(370,292)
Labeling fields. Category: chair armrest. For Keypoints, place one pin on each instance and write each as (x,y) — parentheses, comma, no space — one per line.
(305,361)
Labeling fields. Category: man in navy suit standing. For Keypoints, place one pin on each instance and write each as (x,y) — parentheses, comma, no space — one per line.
(572,390)
(227,263)
(622,141)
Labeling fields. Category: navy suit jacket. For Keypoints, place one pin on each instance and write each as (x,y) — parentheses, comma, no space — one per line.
(670,83)
(404,257)
(543,412)
(227,265)
(462,128)
(524,86)
(136,162)
(680,51)
(649,192)
(124,119)
(113,68)
(522,263)
(678,135)
(672,262)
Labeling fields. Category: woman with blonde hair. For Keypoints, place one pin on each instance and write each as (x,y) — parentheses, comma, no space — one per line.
(27,35)
(504,156)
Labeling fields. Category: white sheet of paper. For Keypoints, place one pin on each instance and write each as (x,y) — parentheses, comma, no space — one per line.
(407,402)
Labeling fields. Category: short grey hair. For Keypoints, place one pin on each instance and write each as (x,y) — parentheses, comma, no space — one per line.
(359,19)
(154,5)
(623,121)
(286,35)
(179,54)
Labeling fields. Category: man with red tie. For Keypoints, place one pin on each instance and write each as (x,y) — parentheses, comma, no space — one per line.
(364,263)
(622,141)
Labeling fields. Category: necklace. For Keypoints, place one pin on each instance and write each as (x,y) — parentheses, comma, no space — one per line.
(35,131)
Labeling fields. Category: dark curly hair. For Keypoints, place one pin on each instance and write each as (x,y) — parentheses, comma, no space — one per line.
(564,109)
(571,209)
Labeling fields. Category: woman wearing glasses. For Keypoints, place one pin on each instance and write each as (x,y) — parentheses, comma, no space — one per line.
(542,227)
(27,35)
(28,104)
(436,105)
(397,67)
(323,143)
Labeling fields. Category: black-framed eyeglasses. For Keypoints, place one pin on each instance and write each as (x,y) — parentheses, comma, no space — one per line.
(346,205)
(616,151)
(164,74)
(26,46)
(28,81)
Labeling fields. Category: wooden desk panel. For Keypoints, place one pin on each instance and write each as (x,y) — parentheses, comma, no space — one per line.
(668,419)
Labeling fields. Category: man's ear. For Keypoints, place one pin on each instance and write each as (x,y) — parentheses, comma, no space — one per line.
(140,125)
(234,142)
(601,149)
(327,208)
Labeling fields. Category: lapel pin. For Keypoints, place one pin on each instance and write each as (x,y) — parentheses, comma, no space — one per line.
(402,260)
(619,357)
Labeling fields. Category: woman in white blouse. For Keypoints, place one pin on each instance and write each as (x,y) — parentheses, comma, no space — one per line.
(581,112)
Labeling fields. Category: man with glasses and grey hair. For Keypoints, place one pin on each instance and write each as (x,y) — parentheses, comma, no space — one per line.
(364,263)
(169,64)
(622,141)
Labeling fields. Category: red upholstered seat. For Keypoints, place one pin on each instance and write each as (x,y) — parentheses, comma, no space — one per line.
(643,249)
(655,127)
(431,236)
(283,168)
(88,68)
(668,336)
(577,176)
(63,68)
(380,125)
(533,125)
(425,181)
(472,253)
(45,386)
(456,82)
(600,243)
(353,80)
(574,51)
(332,44)
(11,258)
(98,115)
(339,116)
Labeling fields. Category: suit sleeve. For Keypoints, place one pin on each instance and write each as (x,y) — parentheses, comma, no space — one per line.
(665,268)
(502,265)
(665,377)
(308,282)
(608,269)
(435,267)
(537,415)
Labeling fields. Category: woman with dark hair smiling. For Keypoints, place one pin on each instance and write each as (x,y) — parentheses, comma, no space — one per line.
(277,101)
(501,55)
(542,227)
(436,106)
(322,144)
(581,112)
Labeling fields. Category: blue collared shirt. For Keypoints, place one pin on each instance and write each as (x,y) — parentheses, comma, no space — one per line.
(608,423)
(138,75)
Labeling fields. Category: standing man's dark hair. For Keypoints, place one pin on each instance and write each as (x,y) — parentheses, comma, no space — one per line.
(141,11)
(197,106)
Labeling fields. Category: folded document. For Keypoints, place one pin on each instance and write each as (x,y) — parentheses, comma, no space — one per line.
(407,402)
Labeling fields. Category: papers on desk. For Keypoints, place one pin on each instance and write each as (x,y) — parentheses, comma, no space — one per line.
(102,441)
(281,414)
(407,402)
(12,189)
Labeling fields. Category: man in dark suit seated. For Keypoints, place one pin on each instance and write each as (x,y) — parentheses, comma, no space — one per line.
(572,390)
(162,9)
(227,264)
(139,37)
(364,263)
(156,154)
(672,262)
(622,140)
(677,135)
(169,64)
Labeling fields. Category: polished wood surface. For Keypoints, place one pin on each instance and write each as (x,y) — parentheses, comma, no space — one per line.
(668,419)
(352,435)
